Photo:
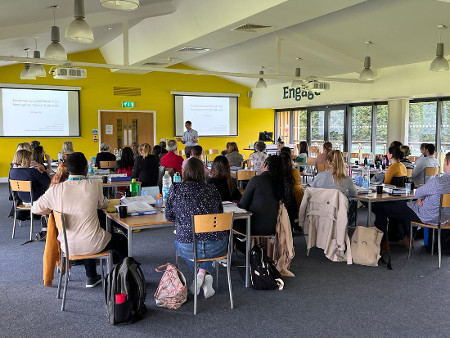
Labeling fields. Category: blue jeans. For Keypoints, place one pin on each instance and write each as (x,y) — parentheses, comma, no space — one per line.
(204,250)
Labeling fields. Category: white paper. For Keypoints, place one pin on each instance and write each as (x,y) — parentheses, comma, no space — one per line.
(147,199)
(109,129)
(233,208)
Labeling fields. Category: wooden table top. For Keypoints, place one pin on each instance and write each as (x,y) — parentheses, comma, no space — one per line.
(385,197)
(140,221)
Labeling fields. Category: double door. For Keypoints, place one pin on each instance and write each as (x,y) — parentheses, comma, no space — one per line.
(125,129)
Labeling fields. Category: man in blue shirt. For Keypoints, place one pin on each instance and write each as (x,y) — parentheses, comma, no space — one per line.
(190,136)
(428,160)
(425,209)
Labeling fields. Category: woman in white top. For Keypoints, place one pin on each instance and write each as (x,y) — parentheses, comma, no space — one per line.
(258,157)
(336,177)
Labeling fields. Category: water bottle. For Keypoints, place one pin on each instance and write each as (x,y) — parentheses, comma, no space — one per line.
(206,163)
(383,163)
(166,183)
(366,178)
(134,188)
(365,161)
(159,202)
(176,178)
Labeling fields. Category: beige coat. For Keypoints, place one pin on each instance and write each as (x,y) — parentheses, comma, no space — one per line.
(323,216)
(284,252)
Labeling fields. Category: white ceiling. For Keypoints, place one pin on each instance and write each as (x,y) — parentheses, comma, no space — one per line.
(328,35)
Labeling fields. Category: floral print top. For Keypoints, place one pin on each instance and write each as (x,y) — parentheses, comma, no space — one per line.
(257,160)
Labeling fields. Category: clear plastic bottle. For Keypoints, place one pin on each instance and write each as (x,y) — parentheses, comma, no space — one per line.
(134,188)
(366,178)
(383,163)
(159,202)
(166,183)
(176,178)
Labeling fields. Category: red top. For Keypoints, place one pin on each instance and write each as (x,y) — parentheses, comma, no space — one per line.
(171,160)
(127,171)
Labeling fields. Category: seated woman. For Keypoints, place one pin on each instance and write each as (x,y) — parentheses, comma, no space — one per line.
(302,152)
(224,152)
(67,148)
(104,154)
(146,168)
(38,157)
(257,158)
(396,169)
(262,197)
(289,198)
(336,177)
(157,152)
(190,197)
(297,179)
(21,171)
(220,177)
(126,163)
(405,160)
(233,156)
(323,156)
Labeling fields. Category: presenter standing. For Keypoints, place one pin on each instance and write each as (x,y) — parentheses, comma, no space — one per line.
(190,136)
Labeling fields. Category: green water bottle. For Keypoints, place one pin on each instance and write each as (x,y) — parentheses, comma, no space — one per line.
(134,188)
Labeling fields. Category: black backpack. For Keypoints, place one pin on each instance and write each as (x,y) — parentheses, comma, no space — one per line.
(264,275)
(126,284)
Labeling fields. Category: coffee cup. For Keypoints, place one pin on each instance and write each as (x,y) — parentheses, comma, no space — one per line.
(379,189)
(105,179)
(356,162)
(123,210)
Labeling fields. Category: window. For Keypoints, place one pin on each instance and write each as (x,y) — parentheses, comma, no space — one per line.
(361,129)
(283,125)
(317,127)
(300,125)
(445,131)
(381,129)
(422,124)
(336,128)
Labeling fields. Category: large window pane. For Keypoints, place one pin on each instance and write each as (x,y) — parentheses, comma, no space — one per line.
(300,125)
(336,128)
(317,127)
(361,129)
(381,129)
(445,131)
(422,124)
(283,125)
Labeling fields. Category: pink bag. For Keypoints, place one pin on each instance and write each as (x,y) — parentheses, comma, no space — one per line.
(171,292)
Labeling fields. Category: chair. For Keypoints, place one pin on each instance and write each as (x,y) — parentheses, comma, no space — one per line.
(213,223)
(366,155)
(313,150)
(445,203)
(150,191)
(244,175)
(430,171)
(321,167)
(21,186)
(399,181)
(409,172)
(60,223)
(107,164)
(354,155)
(413,158)
(212,152)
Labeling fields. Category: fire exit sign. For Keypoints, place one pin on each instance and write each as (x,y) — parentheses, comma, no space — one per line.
(127,104)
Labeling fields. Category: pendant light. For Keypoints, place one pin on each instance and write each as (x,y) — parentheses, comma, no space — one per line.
(79,30)
(37,70)
(261,83)
(440,63)
(54,50)
(297,82)
(25,73)
(367,73)
(121,5)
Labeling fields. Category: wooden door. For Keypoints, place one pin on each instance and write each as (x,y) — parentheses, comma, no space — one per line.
(122,129)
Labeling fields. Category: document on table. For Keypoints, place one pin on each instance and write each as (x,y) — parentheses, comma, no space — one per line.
(232,207)
(147,199)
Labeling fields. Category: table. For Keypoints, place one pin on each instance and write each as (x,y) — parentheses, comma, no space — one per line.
(384,197)
(158,220)
(118,184)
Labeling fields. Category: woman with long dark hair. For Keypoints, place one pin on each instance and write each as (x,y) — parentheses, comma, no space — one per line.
(126,163)
(262,197)
(289,184)
(220,176)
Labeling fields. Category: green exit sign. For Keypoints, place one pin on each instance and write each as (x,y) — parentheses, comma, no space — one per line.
(127,104)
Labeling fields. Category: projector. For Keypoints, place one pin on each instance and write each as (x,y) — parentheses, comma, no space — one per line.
(69,73)
(316,86)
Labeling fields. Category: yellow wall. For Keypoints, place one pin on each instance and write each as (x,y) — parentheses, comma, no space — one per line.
(97,94)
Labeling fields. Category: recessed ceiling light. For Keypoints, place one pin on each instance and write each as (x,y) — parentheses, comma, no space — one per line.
(194,50)
(108,28)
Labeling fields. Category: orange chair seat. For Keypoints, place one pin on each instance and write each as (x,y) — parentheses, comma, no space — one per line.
(210,259)
(97,255)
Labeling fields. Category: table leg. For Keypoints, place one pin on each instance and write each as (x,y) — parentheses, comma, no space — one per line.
(130,242)
(108,224)
(369,216)
(247,253)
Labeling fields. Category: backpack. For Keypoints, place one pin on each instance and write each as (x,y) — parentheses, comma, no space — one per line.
(171,292)
(125,293)
(263,273)
(365,245)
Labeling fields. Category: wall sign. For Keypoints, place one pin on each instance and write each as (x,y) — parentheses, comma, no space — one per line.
(127,104)
(297,93)
(109,129)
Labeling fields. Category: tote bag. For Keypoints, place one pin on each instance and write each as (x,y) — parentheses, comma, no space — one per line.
(365,245)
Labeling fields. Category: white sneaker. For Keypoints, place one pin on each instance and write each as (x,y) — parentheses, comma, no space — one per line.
(208,289)
(200,279)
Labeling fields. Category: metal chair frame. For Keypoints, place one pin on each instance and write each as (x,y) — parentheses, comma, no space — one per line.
(444,203)
(60,222)
(21,186)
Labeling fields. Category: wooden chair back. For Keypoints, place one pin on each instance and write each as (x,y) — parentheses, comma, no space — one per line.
(20,186)
(212,222)
(310,160)
(409,172)
(213,151)
(354,155)
(366,155)
(313,150)
(445,202)
(431,171)
(243,175)
(59,220)
(413,158)
(321,167)
(107,164)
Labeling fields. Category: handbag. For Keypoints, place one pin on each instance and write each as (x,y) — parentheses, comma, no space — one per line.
(365,245)
(171,292)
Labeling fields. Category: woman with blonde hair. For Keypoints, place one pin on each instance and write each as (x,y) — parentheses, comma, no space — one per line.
(336,177)
(146,168)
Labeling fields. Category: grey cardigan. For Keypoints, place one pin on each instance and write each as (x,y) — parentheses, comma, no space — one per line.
(325,180)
